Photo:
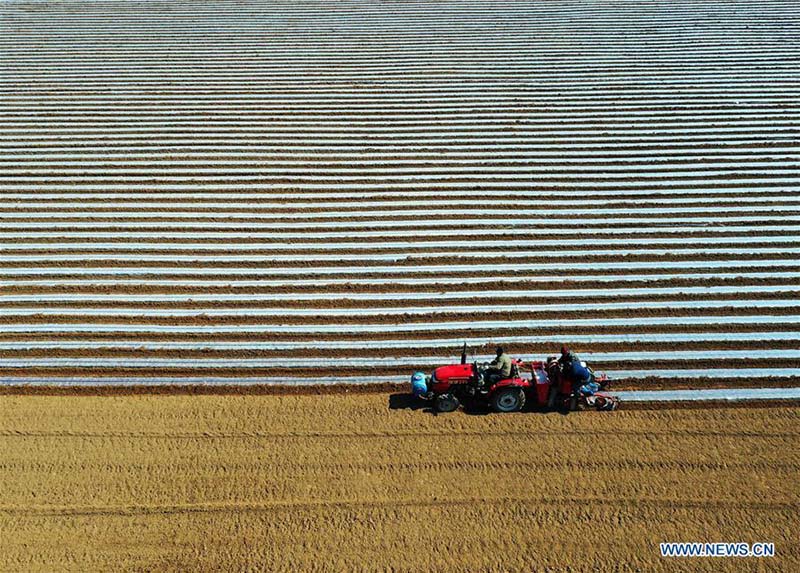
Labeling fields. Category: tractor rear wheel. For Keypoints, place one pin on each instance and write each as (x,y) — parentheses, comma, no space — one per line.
(445,403)
(508,400)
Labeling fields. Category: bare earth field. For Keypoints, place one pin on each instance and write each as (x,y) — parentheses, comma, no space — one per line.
(343,482)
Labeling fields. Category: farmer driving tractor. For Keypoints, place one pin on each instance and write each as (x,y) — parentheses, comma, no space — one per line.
(499,368)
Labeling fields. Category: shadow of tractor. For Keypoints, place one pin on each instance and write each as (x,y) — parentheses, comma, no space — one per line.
(409,402)
(406,401)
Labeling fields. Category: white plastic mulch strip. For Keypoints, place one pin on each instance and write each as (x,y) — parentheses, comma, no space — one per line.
(356,172)
(261,204)
(196,380)
(377,245)
(533,324)
(480,184)
(731,394)
(484,118)
(488,279)
(548,127)
(358,235)
(408,343)
(565,112)
(707,373)
(396,257)
(672,195)
(428,361)
(568,138)
(566,306)
(375,213)
(43,165)
(575,294)
(415,98)
(497,225)
(396,270)
(237,154)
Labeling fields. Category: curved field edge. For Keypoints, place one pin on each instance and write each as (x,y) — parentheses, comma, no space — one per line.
(305,482)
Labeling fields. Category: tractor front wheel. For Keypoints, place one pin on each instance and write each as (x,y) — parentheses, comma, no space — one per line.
(508,400)
(445,403)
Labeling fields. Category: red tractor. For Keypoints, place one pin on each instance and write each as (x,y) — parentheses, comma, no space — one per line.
(542,384)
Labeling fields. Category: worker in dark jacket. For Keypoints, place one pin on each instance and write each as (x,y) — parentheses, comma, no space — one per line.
(572,367)
(567,358)
(500,367)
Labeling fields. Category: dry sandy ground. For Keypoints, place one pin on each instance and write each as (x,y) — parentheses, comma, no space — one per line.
(342,482)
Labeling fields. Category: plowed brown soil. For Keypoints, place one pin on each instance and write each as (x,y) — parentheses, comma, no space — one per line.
(267,274)
(245,212)
(493,336)
(278,375)
(520,283)
(786,260)
(414,253)
(202,319)
(342,303)
(501,233)
(521,350)
(392,195)
(200,483)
